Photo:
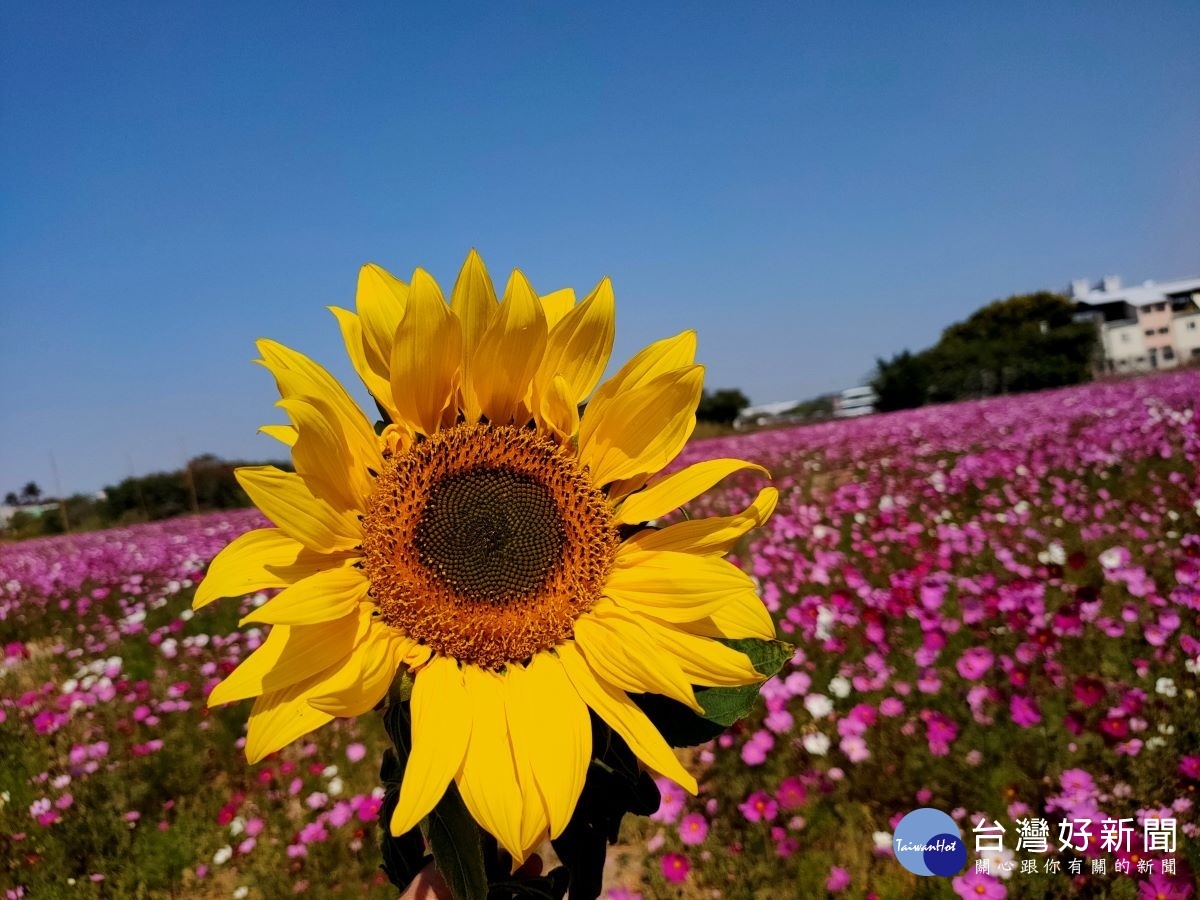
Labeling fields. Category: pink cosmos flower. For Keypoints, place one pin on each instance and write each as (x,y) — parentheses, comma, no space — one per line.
(693,829)
(755,750)
(1161,887)
(974,663)
(671,803)
(1189,767)
(1089,690)
(1024,711)
(675,868)
(759,807)
(977,886)
(940,732)
(891,707)
(838,880)
(791,793)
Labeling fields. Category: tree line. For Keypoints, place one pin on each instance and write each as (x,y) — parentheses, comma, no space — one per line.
(206,483)
(1024,343)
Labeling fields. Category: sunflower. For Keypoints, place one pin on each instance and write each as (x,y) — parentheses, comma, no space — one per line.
(492,542)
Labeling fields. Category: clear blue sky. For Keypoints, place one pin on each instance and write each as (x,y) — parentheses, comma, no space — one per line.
(808,185)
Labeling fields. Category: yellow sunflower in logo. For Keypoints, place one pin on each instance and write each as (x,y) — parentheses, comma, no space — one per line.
(493,541)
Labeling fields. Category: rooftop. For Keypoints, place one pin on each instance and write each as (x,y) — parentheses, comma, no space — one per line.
(1110,291)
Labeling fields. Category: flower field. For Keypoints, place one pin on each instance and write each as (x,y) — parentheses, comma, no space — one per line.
(996,608)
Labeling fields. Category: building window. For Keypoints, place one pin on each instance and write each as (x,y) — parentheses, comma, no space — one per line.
(1192,326)
(1196,353)
(1163,330)
(1168,352)
(1149,332)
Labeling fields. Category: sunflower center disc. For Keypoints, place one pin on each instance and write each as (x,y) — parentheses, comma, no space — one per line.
(491,535)
(486,543)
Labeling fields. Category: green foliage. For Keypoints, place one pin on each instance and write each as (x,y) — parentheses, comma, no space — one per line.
(1025,343)
(721,406)
(901,382)
(723,706)
(207,483)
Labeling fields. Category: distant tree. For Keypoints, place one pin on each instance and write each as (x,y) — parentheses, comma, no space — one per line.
(11,499)
(1024,343)
(721,406)
(31,492)
(901,382)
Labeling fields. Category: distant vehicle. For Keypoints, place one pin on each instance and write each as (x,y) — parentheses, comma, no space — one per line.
(855,401)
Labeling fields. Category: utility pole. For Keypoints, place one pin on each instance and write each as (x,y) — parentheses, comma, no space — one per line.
(189,477)
(62,501)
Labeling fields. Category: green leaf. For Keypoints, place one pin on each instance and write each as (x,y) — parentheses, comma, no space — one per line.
(723,706)
(454,840)
(767,657)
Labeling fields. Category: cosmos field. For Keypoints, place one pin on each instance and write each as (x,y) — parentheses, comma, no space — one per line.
(996,609)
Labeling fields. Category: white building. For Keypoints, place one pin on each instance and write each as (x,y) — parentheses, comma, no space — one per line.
(764,414)
(855,401)
(1154,325)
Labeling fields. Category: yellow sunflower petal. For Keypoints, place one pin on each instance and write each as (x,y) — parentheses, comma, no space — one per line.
(622,716)
(742,616)
(286,500)
(702,661)
(558,412)
(621,652)
(705,537)
(376,661)
(473,300)
(323,597)
(257,560)
(323,460)
(675,490)
(427,356)
(300,377)
(557,304)
(278,718)
(642,430)
(352,336)
(285,434)
(441,727)
(509,352)
(658,359)
(488,780)
(554,750)
(380,302)
(674,587)
(288,655)
(578,347)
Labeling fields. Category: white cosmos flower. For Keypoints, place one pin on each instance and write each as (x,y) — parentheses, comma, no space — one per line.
(839,687)
(817,744)
(818,705)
